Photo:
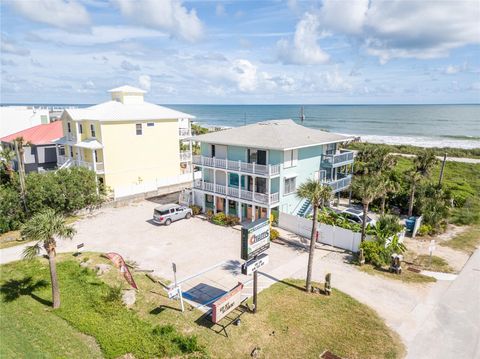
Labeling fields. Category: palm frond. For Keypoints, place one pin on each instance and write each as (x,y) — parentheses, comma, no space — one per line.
(31,252)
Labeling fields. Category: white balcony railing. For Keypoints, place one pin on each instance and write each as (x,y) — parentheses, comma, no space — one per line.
(239,166)
(98,167)
(340,184)
(339,159)
(234,192)
(185,156)
(184,132)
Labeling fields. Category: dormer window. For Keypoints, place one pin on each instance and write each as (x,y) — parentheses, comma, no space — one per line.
(69,127)
(92,130)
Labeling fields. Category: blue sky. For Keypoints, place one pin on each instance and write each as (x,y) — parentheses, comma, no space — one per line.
(319,52)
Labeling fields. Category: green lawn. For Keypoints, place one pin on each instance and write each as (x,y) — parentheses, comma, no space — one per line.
(407,276)
(467,241)
(289,323)
(436,264)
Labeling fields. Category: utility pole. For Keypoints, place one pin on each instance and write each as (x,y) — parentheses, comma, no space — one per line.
(441,170)
(255,290)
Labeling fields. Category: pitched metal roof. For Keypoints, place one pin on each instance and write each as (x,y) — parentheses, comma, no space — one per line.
(118,111)
(42,134)
(128,89)
(275,134)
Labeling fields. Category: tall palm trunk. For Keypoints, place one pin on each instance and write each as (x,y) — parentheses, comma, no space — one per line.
(53,276)
(364,221)
(411,200)
(312,249)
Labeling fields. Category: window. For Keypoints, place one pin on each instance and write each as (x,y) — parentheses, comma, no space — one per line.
(71,151)
(69,127)
(95,155)
(150,124)
(138,128)
(290,185)
(61,150)
(290,158)
(331,147)
(92,130)
(213,150)
(80,128)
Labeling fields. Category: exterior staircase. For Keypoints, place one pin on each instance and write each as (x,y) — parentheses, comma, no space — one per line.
(305,208)
(66,164)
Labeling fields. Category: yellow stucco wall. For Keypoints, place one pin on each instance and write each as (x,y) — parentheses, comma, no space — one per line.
(132,159)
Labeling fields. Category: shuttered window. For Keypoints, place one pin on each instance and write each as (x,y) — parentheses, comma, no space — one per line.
(290,185)
(290,158)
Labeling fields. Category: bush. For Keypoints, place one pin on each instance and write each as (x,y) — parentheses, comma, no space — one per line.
(232,220)
(468,214)
(196,210)
(11,209)
(373,252)
(209,214)
(424,230)
(220,219)
(274,234)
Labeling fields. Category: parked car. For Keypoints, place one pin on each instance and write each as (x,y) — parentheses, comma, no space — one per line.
(169,213)
(356,216)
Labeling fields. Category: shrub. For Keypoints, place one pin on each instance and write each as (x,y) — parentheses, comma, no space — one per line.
(114,294)
(232,220)
(196,210)
(209,214)
(468,214)
(274,234)
(424,230)
(11,209)
(373,252)
(220,219)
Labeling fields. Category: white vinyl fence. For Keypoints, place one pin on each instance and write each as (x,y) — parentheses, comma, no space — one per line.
(331,235)
(124,191)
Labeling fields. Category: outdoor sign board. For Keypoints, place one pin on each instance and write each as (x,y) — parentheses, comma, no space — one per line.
(255,264)
(227,303)
(255,238)
(174,292)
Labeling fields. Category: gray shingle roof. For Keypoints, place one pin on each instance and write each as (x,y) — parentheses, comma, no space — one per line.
(275,134)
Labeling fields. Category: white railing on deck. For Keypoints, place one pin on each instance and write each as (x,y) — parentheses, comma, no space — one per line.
(340,184)
(185,156)
(239,166)
(184,132)
(99,166)
(340,158)
(234,192)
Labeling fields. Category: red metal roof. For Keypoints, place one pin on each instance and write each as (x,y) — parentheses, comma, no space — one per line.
(38,135)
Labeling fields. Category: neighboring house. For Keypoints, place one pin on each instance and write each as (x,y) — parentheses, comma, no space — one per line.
(40,153)
(253,170)
(132,145)
(17,118)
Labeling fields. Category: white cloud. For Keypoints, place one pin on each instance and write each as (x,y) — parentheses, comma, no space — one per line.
(166,15)
(10,47)
(145,82)
(452,69)
(57,13)
(97,35)
(220,9)
(304,48)
(128,66)
(345,16)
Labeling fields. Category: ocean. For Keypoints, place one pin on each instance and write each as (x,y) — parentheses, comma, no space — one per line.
(420,125)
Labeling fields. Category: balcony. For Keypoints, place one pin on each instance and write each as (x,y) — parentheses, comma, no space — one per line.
(237,166)
(65,162)
(185,156)
(336,160)
(339,184)
(234,192)
(184,132)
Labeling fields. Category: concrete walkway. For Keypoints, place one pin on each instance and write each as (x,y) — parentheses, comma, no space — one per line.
(452,327)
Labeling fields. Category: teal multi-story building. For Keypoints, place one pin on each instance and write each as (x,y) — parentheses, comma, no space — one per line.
(252,170)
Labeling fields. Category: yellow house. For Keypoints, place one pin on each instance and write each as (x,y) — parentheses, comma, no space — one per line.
(132,145)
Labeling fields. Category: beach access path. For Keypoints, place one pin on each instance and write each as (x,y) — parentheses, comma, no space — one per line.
(450,159)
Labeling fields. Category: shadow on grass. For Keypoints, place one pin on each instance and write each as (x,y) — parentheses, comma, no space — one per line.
(162,308)
(221,328)
(282,281)
(14,288)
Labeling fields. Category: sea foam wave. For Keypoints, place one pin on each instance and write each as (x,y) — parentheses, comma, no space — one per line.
(422,141)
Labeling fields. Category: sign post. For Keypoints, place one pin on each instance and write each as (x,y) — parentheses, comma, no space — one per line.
(176,292)
(255,241)
(431,248)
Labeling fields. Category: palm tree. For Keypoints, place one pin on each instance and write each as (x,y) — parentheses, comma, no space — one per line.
(368,188)
(388,185)
(423,164)
(43,227)
(318,194)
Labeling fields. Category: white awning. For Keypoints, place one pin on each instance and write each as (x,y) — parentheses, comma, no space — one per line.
(91,144)
(290,175)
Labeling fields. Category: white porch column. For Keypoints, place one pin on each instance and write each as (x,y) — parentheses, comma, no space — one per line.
(204,207)
(253,212)
(239,185)
(94,160)
(269,212)
(214,204)
(226,206)
(239,210)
